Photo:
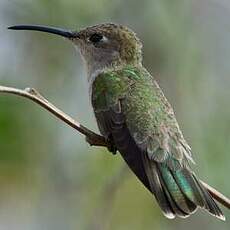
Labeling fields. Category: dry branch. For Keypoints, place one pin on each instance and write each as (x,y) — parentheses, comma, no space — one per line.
(92,138)
(34,95)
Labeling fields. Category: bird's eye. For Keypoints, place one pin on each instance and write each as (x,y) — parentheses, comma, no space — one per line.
(95,38)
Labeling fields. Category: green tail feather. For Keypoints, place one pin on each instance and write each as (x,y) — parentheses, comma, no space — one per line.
(175,192)
(185,193)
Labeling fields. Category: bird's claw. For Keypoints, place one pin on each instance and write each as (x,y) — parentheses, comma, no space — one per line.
(111,147)
(89,140)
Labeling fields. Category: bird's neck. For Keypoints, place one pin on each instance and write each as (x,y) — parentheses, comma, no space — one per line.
(95,69)
(94,73)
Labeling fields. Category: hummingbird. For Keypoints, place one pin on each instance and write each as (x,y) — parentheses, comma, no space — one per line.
(135,117)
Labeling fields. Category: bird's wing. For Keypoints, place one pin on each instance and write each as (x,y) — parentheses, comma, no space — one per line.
(152,124)
(141,105)
(132,111)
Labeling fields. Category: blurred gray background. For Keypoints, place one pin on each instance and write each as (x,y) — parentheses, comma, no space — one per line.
(50,178)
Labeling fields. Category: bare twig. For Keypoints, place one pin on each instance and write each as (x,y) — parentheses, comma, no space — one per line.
(91,137)
(217,195)
(34,95)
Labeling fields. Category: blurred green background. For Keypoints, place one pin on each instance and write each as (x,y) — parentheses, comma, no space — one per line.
(50,178)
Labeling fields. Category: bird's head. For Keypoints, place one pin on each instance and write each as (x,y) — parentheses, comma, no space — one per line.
(101,46)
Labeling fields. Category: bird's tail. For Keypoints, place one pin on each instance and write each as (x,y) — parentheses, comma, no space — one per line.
(179,192)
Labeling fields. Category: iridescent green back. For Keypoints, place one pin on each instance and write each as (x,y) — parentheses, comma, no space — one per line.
(149,117)
(132,111)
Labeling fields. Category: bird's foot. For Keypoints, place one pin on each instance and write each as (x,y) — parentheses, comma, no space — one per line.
(111,146)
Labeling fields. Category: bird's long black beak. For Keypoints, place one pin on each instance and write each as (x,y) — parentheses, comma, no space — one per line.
(53,30)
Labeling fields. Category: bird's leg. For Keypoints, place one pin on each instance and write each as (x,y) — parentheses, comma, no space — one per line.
(111,146)
(109,143)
